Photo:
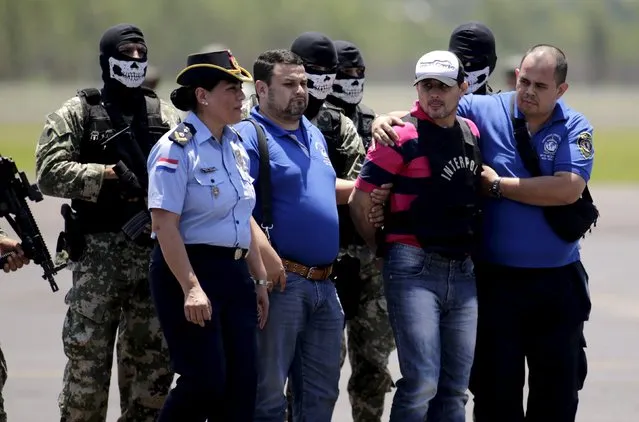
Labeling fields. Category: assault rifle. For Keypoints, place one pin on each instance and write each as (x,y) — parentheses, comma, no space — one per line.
(14,188)
(137,225)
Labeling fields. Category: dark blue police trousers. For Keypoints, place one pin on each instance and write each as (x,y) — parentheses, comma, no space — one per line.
(217,363)
(534,316)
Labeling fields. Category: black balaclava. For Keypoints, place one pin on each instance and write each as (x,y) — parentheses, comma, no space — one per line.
(122,74)
(122,93)
(474,44)
(347,90)
(316,49)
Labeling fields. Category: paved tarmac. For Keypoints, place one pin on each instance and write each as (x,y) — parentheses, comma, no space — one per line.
(31,320)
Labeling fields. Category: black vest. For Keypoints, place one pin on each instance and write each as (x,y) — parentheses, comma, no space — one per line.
(445,216)
(329,122)
(102,143)
(363,119)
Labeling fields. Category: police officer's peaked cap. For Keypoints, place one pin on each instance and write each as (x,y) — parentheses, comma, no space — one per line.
(212,65)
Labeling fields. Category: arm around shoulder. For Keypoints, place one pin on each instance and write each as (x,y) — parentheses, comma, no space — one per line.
(58,171)
(572,167)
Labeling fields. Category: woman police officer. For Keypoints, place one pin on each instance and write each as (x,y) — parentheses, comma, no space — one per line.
(201,198)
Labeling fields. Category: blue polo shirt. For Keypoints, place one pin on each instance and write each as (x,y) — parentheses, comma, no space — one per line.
(517,234)
(304,206)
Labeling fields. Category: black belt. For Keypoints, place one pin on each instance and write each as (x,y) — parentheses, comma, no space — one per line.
(219,251)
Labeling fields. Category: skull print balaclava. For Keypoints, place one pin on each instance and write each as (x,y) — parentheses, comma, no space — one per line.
(316,50)
(122,74)
(474,44)
(348,90)
(122,94)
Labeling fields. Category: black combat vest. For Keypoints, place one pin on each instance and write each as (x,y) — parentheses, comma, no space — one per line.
(445,215)
(329,122)
(110,212)
(364,121)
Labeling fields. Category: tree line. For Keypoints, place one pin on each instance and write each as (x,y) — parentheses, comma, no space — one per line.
(58,40)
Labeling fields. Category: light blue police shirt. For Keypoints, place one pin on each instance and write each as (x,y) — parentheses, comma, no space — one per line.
(204,181)
(304,207)
(516,234)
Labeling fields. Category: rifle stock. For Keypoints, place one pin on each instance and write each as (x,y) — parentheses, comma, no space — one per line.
(14,188)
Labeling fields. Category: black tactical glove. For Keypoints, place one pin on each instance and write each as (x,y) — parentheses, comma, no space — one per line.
(129,183)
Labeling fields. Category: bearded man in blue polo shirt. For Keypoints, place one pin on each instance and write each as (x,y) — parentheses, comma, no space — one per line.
(532,287)
(301,340)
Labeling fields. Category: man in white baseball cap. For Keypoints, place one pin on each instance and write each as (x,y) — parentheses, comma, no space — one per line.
(428,239)
(440,65)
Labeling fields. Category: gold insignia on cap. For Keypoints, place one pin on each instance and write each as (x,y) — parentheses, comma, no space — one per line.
(234,62)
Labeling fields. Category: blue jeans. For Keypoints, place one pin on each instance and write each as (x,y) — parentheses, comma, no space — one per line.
(301,341)
(432,305)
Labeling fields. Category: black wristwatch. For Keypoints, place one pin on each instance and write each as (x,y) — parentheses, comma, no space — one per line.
(495,188)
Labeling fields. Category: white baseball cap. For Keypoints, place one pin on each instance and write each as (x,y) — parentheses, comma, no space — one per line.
(441,65)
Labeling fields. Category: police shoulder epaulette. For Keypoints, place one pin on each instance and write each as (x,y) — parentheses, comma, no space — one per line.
(182,134)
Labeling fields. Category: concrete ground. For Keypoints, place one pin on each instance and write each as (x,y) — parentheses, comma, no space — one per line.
(31,319)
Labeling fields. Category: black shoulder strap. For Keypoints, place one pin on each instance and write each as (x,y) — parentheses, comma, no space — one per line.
(366,110)
(91,100)
(467,133)
(91,95)
(148,92)
(470,139)
(336,122)
(409,118)
(264,177)
(525,149)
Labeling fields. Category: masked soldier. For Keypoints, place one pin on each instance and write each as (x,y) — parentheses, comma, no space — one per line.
(474,44)
(93,150)
(14,261)
(345,147)
(370,337)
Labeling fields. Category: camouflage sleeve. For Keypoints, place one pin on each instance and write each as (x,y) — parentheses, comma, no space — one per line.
(58,172)
(248,104)
(170,115)
(352,146)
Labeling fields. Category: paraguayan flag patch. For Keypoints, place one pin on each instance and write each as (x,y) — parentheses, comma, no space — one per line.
(167,164)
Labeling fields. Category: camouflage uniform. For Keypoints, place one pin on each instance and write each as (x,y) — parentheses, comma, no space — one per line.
(370,342)
(249,102)
(3,368)
(109,285)
(369,334)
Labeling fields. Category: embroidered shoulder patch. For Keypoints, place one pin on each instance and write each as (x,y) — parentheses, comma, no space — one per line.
(584,143)
(182,134)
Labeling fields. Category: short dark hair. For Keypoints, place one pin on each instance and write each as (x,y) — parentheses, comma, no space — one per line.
(561,64)
(265,62)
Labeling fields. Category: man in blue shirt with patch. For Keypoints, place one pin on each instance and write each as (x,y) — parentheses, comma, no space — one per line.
(301,340)
(532,288)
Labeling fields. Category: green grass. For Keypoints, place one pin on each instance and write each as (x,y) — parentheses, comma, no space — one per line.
(616,151)
(18,141)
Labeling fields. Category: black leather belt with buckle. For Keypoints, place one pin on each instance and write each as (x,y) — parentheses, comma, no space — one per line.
(240,253)
(221,251)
